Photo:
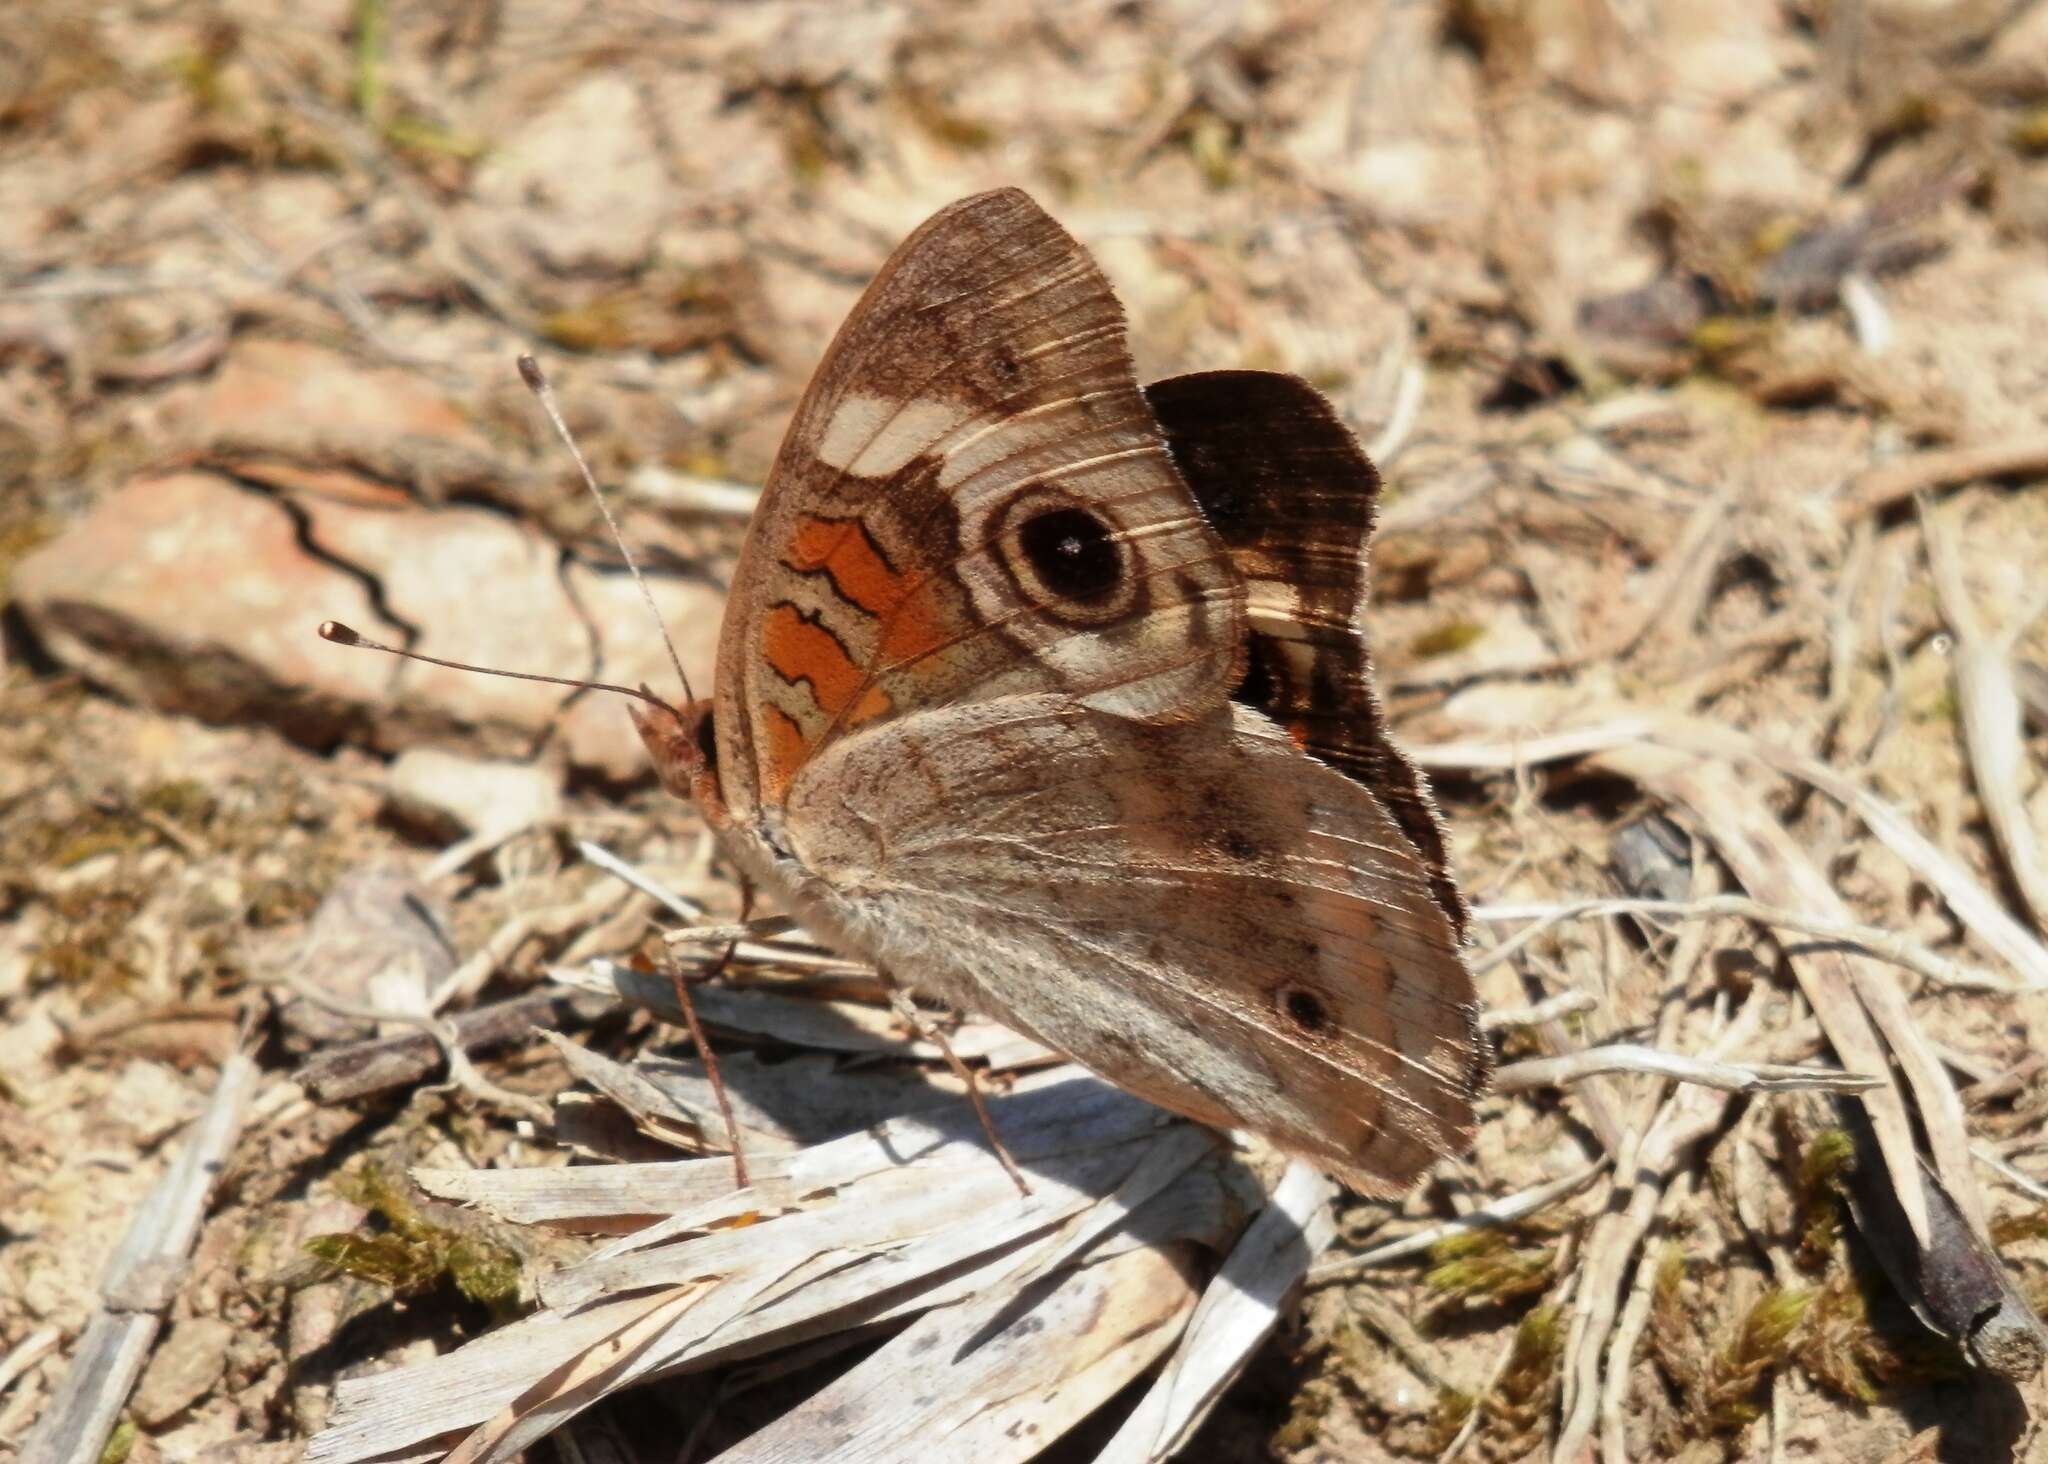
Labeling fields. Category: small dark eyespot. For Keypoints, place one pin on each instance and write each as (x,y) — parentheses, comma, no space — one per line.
(1238,847)
(1305,1009)
(1072,553)
(707,740)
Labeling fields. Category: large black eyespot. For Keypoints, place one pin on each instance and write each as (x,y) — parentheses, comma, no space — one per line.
(1072,553)
(1305,1009)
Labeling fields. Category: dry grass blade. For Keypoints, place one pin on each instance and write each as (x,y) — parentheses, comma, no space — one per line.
(1630,1057)
(1990,707)
(911,1217)
(1884,944)
(1494,1213)
(1236,1313)
(985,1375)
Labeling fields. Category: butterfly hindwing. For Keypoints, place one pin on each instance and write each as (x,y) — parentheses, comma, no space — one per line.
(1197,911)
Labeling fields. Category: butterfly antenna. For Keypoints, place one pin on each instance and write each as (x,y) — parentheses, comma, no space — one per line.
(342,635)
(537,383)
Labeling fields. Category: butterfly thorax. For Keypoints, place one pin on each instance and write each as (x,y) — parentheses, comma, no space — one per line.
(682,745)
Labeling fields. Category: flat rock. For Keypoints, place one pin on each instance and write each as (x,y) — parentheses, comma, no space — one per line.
(191,593)
(184,1368)
(188,593)
(283,410)
(455,795)
(581,183)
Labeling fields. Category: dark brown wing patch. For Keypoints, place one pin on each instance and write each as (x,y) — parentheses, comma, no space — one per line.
(1291,494)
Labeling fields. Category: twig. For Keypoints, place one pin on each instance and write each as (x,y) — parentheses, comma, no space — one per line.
(759,943)
(459,853)
(462,1073)
(468,978)
(1689,1116)
(26,1353)
(1495,1213)
(140,1282)
(1879,488)
(2025,1182)
(1478,756)
(763,929)
(1628,1332)
(677,904)
(1629,1057)
(1868,318)
(1401,1337)
(1883,944)
(1563,1004)
(1990,707)
(1401,419)
(688,493)
(337,1074)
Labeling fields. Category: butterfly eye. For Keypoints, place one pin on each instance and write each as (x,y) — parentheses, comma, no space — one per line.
(707,739)
(1071,552)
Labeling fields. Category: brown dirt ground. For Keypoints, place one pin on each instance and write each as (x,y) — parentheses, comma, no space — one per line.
(1577,268)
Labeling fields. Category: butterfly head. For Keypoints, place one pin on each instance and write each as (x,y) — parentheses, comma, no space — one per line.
(682,743)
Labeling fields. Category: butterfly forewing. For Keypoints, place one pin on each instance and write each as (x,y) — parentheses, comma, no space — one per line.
(972,500)
(1287,487)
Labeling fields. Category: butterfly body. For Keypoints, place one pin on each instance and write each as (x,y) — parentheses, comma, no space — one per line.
(1048,695)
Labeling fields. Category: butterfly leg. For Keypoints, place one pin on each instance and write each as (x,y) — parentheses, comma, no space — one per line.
(929,1031)
(730,935)
(683,981)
